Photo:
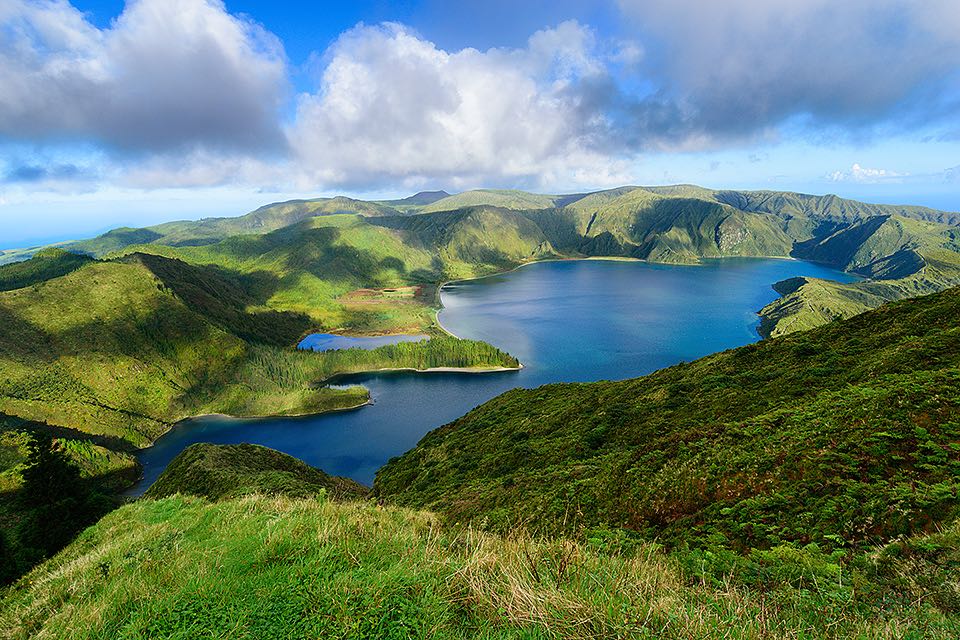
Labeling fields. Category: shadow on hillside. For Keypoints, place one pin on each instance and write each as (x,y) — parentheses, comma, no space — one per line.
(23,341)
(223,296)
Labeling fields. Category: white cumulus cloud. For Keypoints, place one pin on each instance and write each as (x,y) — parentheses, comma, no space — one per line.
(392,106)
(166,74)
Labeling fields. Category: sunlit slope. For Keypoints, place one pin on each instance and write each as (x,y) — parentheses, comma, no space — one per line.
(474,241)
(791,205)
(263,568)
(310,256)
(308,267)
(124,348)
(505,199)
(843,435)
(901,257)
(209,230)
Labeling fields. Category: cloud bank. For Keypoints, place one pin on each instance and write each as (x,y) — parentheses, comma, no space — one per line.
(741,67)
(181,93)
(167,74)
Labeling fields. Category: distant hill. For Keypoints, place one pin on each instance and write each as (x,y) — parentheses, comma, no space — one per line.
(416,201)
(211,230)
(505,198)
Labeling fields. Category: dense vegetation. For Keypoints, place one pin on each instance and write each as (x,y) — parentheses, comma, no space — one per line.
(219,472)
(45,497)
(124,348)
(45,265)
(281,568)
(843,436)
(804,486)
(433,237)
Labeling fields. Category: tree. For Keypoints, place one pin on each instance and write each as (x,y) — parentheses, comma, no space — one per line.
(55,501)
(9,562)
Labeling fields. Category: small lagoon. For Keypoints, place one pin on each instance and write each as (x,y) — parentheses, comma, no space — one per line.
(567,321)
(331,342)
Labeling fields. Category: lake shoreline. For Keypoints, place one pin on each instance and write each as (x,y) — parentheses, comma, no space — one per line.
(404,407)
(441,327)
(465,370)
(312,414)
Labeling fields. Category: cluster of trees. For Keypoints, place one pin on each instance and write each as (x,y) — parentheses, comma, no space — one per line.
(52,505)
(440,351)
(298,369)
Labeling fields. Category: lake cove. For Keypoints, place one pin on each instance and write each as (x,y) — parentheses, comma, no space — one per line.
(567,321)
(329,341)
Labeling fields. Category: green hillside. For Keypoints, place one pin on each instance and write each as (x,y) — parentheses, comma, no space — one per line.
(200,317)
(277,567)
(45,265)
(209,230)
(902,258)
(844,436)
(111,350)
(219,472)
(504,198)
(437,237)
(805,486)
(124,348)
(414,203)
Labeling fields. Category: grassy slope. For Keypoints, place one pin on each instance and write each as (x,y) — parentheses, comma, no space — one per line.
(306,268)
(282,568)
(210,230)
(125,348)
(111,350)
(786,440)
(506,199)
(45,265)
(219,472)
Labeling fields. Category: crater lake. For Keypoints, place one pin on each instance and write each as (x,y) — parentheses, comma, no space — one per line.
(567,321)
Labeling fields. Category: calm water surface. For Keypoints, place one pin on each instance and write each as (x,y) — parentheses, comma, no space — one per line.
(330,341)
(566,321)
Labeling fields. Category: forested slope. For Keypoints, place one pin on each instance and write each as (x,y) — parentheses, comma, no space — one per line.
(846,435)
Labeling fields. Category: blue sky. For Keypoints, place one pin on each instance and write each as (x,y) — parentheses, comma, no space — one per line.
(133,113)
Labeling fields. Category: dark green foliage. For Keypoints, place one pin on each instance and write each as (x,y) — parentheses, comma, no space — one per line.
(438,352)
(844,435)
(10,567)
(54,503)
(217,472)
(223,296)
(44,265)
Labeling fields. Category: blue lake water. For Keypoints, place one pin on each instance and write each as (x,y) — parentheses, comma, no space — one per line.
(566,321)
(329,341)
